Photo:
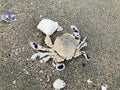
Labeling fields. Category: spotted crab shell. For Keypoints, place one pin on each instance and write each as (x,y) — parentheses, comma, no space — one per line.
(48,26)
(65,45)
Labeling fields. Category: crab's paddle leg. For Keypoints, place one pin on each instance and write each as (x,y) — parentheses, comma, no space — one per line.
(40,55)
(59,66)
(48,41)
(75,32)
(83,45)
(45,59)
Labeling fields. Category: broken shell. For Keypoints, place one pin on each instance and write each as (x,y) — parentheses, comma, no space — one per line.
(48,26)
(104,87)
(89,81)
(59,84)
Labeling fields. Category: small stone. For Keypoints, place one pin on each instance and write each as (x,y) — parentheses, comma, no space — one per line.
(41,16)
(89,81)
(104,87)
(41,71)
(14,81)
(26,72)
(83,64)
(31,3)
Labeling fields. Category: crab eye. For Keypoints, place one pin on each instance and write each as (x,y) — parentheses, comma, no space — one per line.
(60,67)
(35,45)
(76,31)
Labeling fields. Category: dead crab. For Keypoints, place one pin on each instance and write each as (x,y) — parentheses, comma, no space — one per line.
(64,48)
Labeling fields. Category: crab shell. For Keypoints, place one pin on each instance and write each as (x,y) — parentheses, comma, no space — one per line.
(65,46)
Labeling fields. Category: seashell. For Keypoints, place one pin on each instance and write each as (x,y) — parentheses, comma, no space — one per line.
(59,84)
(48,26)
(104,87)
(8,17)
(89,81)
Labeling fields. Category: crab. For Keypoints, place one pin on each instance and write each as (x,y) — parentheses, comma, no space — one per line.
(65,47)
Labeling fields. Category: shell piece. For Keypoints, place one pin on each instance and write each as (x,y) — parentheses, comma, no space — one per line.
(75,32)
(59,84)
(89,81)
(48,26)
(8,16)
(104,87)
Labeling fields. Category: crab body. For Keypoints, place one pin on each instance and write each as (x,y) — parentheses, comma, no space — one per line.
(64,48)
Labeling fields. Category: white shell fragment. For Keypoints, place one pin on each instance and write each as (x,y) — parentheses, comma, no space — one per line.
(104,87)
(89,81)
(59,84)
(48,26)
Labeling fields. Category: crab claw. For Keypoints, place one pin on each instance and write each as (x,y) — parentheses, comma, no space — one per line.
(60,66)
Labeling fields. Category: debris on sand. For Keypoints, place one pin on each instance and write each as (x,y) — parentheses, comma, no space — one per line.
(8,16)
(59,84)
(104,87)
(89,81)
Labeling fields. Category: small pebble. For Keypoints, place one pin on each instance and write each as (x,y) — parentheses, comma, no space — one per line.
(104,87)
(14,81)
(41,16)
(89,81)
(41,80)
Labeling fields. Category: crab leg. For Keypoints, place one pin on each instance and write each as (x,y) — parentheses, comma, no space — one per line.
(48,41)
(38,47)
(40,55)
(85,55)
(83,43)
(45,59)
(75,32)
